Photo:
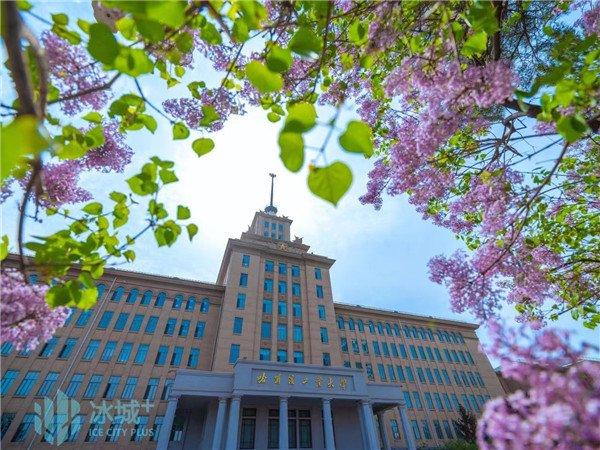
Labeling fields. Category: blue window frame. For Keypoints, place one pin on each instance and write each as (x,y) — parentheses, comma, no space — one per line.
(245,260)
(267,307)
(151,389)
(298,335)
(238,323)
(121,321)
(361,325)
(282,268)
(282,308)
(160,300)
(297,310)
(146,298)
(281,332)
(394,349)
(409,374)
(340,321)
(117,294)
(264,354)
(322,312)
(241,301)
(151,325)
(170,326)
(369,369)
(109,351)
(265,330)
(6,348)
(268,285)
(68,347)
(184,328)
(376,348)
(295,271)
(318,275)
(386,349)
(324,335)
(190,305)
(407,399)
(282,287)
(326,359)
(93,386)
(136,323)
(27,383)
(282,355)
(371,327)
(49,347)
(8,379)
(269,266)
(161,355)
(105,320)
(193,358)
(401,376)
(199,331)
(298,357)
(141,354)
(111,387)
(74,384)
(91,350)
(319,291)
(177,301)
(129,388)
(234,353)
(381,371)
(132,296)
(205,305)
(176,356)
(351,323)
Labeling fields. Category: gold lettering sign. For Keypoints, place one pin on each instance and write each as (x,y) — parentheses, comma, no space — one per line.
(330,383)
(304,380)
(262,378)
(343,383)
(277,378)
(291,379)
(318,381)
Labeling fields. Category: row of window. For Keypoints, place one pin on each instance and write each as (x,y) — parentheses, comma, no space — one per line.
(282,308)
(433,401)
(282,286)
(282,355)
(282,332)
(94,433)
(423,431)
(409,331)
(399,350)
(273,230)
(282,268)
(146,299)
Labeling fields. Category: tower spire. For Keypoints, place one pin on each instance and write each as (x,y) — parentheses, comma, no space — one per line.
(271,209)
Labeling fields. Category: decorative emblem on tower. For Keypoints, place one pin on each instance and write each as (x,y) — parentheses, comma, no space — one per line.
(271,209)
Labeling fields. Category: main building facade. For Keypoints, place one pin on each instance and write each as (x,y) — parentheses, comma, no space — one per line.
(263,358)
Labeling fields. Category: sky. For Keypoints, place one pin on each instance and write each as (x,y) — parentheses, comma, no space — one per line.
(381,256)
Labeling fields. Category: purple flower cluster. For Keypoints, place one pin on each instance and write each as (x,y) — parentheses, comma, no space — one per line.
(113,155)
(25,317)
(590,16)
(72,71)
(560,409)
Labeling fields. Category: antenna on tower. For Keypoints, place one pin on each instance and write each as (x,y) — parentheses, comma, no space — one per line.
(271,209)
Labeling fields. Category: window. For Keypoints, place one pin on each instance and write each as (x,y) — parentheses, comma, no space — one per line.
(121,321)
(296,289)
(322,313)
(369,369)
(170,326)
(391,372)
(344,344)
(324,335)
(111,387)
(7,380)
(190,305)
(199,331)
(281,332)
(355,347)
(295,271)
(401,376)
(193,358)
(125,352)
(269,266)
(105,320)
(361,325)
(421,375)
(319,291)
(177,301)
(205,306)
(234,353)
(93,385)
(407,399)
(91,350)
(248,428)
(413,352)
(381,371)
(326,359)
(396,330)
(184,328)
(409,374)
(264,354)
(136,323)
(282,308)
(268,285)
(68,347)
(417,399)
(426,431)
(238,323)
(265,330)
(318,273)
(146,298)
(160,300)
(109,351)
(351,323)
(298,335)
(371,327)
(129,389)
(115,429)
(448,429)
(386,349)
(151,324)
(48,348)
(429,400)
(438,356)
(376,349)
(23,428)
(166,392)
(282,268)
(74,385)
(118,294)
(158,421)
(6,349)
(282,355)
(151,389)
(241,301)
(267,307)
(422,353)
(176,356)
(394,349)
(299,357)
(379,327)
(7,419)
(340,321)
(140,429)
(161,355)
(243,279)
(415,428)
(297,310)
(429,375)
(132,297)
(245,260)
(395,428)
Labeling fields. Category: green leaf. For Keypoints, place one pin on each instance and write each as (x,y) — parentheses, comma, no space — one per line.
(151,30)
(301,117)
(239,30)
(133,62)
(210,34)
(273,117)
(93,116)
(94,208)
(202,146)
(572,127)
(180,131)
(4,248)
(102,44)
(126,25)
(129,255)
(183,212)
(262,78)
(192,230)
(19,139)
(60,19)
(291,150)
(330,182)
(475,44)
(148,121)
(118,197)
(209,115)
(357,33)
(305,42)
(358,138)
(279,59)
(170,13)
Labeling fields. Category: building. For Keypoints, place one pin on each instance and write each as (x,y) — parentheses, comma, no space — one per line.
(223,365)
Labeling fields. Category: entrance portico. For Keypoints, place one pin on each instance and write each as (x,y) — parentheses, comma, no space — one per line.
(325,407)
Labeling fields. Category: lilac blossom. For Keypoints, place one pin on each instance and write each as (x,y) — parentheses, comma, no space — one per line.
(113,155)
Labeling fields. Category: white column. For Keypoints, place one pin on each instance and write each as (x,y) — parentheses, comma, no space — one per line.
(383,431)
(328,424)
(363,430)
(232,425)
(218,436)
(406,429)
(369,424)
(283,423)
(165,430)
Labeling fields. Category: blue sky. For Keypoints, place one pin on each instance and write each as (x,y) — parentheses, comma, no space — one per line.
(381,256)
